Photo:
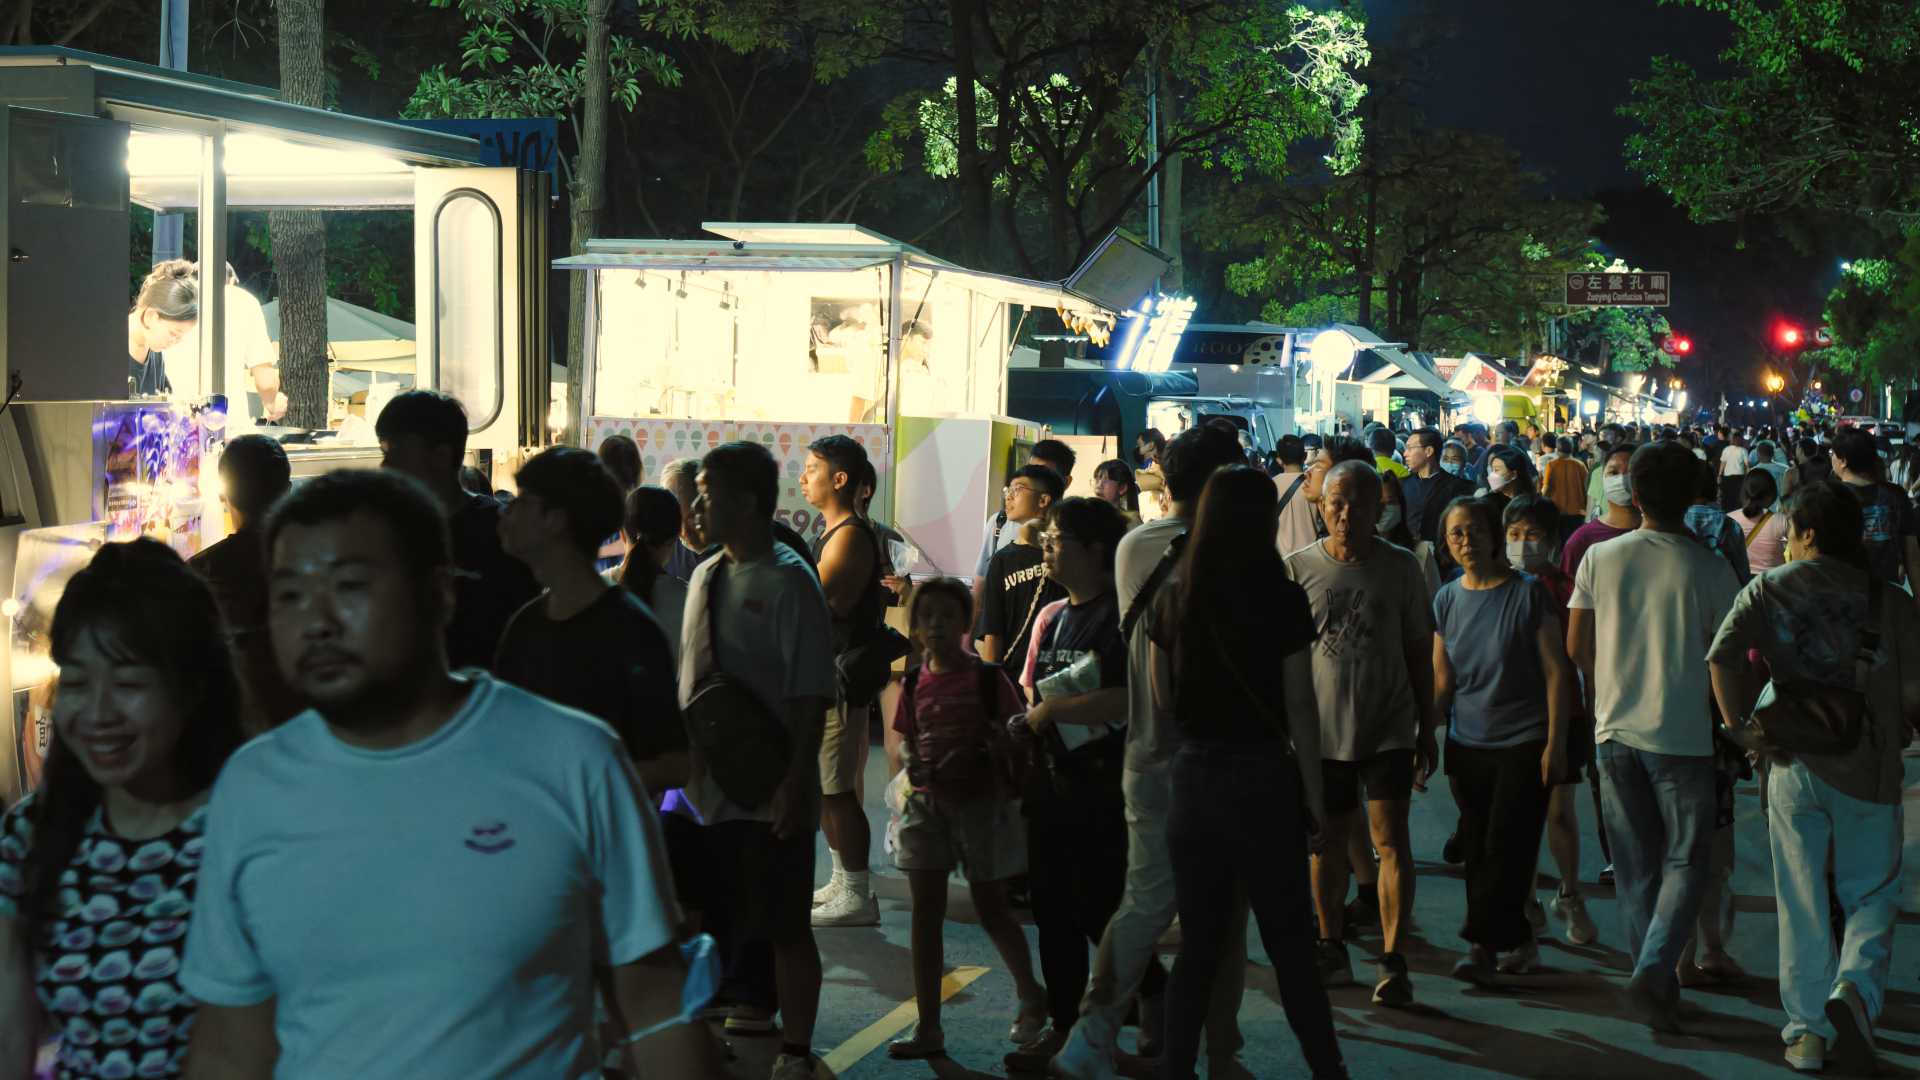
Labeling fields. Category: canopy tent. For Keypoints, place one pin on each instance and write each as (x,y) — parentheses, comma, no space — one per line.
(358,338)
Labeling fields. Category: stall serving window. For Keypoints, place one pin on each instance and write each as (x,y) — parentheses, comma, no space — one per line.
(742,345)
(468,347)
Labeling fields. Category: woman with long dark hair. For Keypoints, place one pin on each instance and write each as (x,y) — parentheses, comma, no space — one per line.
(1246,779)
(650,524)
(97,866)
(1762,531)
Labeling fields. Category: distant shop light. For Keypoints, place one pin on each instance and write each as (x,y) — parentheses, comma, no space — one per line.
(1590,407)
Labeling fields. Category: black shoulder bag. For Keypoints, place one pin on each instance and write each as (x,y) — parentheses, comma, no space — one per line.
(743,743)
(866,667)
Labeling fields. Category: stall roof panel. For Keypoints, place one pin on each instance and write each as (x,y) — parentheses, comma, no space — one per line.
(715,260)
(148,89)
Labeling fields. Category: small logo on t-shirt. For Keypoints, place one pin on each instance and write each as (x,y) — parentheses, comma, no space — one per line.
(490,838)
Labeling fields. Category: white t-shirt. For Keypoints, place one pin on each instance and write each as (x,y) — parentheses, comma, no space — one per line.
(1296,518)
(1657,600)
(1151,739)
(1733,460)
(775,635)
(248,347)
(436,910)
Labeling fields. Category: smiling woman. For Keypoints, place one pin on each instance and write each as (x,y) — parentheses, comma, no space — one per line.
(145,714)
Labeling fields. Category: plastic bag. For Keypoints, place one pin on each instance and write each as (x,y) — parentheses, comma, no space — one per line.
(896,799)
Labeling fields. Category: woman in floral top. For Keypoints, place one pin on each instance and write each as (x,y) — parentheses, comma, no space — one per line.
(97,867)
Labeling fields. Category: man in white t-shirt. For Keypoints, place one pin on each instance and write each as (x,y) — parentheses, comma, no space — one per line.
(251,363)
(426,874)
(1644,611)
(772,631)
(1732,470)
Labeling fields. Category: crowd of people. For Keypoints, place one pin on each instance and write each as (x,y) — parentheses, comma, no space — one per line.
(404,779)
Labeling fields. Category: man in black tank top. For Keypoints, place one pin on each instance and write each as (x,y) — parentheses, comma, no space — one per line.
(849,561)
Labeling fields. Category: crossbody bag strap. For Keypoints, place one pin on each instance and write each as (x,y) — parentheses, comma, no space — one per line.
(1298,483)
(713,613)
(1282,729)
(1765,516)
(1152,586)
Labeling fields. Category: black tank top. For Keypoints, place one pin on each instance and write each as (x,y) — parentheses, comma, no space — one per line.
(871,609)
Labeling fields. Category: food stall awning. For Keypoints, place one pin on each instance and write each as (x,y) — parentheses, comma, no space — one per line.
(1423,376)
(705,258)
(68,80)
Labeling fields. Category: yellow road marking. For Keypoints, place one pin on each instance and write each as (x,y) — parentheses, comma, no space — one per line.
(849,1053)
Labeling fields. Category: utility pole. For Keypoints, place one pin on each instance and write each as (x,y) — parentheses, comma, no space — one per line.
(168,228)
(1153,162)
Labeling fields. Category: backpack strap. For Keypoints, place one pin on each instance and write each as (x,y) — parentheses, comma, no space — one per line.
(1142,601)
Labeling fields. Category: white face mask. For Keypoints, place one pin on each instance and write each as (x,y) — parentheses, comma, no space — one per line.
(1528,554)
(1390,517)
(1496,481)
(1617,491)
(1452,468)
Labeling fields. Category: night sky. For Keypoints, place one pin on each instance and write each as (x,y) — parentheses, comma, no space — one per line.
(1547,77)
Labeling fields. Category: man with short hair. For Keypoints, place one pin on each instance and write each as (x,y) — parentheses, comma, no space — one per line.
(255,473)
(428,873)
(423,433)
(849,559)
(1765,460)
(1645,609)
(1428,488)
(1147,908)
(1730,466)
(1382,443)
(755,611)
(679,477)
(587,644)
(1296,511)
(1893,528)
(1373,678)
(1015,570)
(1003,527)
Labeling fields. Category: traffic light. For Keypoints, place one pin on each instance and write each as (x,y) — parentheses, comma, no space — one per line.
(1676,344)
(1789,336)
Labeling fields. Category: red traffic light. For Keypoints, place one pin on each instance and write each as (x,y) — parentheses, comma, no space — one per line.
(1683,346)
(1789,336)
(1676,345)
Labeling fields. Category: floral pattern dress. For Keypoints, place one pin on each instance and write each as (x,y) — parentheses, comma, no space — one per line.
(107,966)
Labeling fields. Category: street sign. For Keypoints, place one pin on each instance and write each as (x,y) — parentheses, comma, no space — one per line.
(1606,289)
(1855,395)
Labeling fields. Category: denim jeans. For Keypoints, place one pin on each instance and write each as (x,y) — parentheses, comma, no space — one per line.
(1146,910)
(1807,818)
(1659,810)
(1235,820)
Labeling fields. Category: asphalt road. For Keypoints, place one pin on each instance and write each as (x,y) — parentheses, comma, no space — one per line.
(1563,1021)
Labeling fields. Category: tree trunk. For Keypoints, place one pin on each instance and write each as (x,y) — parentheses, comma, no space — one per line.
(1172,167)
(589,187)
(1364,310)
(300,236)
(975,194)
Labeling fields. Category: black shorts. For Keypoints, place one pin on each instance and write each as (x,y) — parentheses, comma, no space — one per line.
(1386,777)
(766,884)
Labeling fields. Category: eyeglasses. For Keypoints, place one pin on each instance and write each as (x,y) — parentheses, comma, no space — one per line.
(1053,540)
(1017,486)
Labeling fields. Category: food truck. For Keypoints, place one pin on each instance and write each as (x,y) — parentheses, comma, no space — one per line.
(785,333)
(86,139)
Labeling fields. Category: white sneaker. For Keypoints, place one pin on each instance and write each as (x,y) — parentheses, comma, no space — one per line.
(1078,1060)
(1521,960)
(1572,910)
(1029,1023)
(826,892)
(848,908)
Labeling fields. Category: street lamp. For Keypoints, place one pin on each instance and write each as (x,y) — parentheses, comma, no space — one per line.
(1775,384)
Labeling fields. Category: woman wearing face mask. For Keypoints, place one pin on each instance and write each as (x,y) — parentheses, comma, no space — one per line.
(1532,526)
(1508,476)
(1393,528)
(1620,518)
(1498,655)
(97,867)
(168,305)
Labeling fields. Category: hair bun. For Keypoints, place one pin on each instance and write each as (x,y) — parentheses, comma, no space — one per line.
(142,554)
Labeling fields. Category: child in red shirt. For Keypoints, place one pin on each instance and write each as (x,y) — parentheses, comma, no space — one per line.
(961,810)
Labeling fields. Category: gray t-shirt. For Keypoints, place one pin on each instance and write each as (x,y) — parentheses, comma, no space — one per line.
(435,910)
(1369,615)
(1151,739)
(1804,618)
(775,635)
(1491,635)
